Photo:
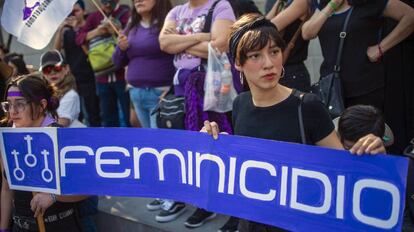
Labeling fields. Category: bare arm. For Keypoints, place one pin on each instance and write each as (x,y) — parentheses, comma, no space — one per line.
(402,13)
(312,27)
(173,43)
(57,44)
(6,203)
(219,35)
(296,10)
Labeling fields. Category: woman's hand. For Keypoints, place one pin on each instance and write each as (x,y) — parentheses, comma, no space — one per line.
(211,128)
(40,202)
(369,144)
(373,53)
(123,42)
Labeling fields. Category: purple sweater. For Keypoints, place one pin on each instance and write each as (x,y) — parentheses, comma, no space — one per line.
(148,66)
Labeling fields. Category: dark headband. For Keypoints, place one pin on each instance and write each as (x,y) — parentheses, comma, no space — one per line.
(235,38)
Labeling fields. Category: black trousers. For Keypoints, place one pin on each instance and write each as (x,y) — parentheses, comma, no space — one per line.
(89,104)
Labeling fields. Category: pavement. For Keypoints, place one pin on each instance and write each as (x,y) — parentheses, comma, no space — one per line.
(125,214)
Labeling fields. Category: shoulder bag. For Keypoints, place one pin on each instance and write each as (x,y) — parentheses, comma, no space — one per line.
(329,87)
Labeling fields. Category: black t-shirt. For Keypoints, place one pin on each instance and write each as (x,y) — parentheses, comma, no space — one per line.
(280,122)
(359,76)
(76,58)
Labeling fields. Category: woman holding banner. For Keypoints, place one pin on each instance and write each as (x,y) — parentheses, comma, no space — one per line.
(32,102)
(270,110)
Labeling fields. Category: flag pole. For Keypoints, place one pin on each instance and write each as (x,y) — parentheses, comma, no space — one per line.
(106,17)
(40,220)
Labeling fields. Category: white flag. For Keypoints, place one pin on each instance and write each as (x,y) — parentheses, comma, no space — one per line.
(34,22)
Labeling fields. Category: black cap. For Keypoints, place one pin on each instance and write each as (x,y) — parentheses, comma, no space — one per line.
(53,57)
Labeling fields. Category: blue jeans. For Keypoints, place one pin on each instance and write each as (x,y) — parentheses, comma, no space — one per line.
(145,100)
(112,96)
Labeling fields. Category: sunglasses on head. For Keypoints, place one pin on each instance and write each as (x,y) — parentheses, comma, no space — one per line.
(49,69)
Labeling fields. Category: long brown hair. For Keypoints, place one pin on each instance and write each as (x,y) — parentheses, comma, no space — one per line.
(158,14)
(65,85)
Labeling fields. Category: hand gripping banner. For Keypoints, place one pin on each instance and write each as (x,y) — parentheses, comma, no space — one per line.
(292,186)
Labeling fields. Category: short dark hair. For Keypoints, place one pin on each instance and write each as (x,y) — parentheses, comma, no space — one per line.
(81,3)
(18,61)
(252,32)
(360,120)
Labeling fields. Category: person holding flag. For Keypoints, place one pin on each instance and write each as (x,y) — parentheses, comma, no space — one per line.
(110,82)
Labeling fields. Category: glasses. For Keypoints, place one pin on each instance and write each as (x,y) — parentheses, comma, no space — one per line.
(49,69)
(18,106)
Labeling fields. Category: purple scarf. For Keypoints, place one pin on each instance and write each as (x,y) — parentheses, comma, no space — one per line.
(194,98)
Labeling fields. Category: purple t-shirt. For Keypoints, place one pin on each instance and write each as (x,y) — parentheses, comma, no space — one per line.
(148,66)
(191,20)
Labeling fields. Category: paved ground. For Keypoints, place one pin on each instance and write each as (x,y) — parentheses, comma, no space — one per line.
(130,214)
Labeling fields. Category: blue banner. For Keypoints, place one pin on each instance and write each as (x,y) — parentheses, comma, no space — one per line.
(292,186)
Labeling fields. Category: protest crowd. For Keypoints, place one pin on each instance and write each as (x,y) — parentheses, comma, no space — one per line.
(151,64)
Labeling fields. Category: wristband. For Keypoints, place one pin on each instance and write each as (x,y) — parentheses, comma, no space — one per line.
(334,6)
(53,196)
(4,230)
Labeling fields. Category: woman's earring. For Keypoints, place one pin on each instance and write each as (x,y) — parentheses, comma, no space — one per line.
(241,78)
(283,72)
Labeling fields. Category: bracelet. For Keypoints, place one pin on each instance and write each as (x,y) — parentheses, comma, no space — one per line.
(334,6)
(53,196)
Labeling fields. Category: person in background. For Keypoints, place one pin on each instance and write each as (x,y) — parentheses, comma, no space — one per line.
(362,71)
(5,73)
(360,120)
(269,110)
(65,41)
(289,16)
(183,36)
(269,5)
(57,73)
(139,48)
(111,85)
(31,102)
(3,51)
(16,61)
(54,68)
